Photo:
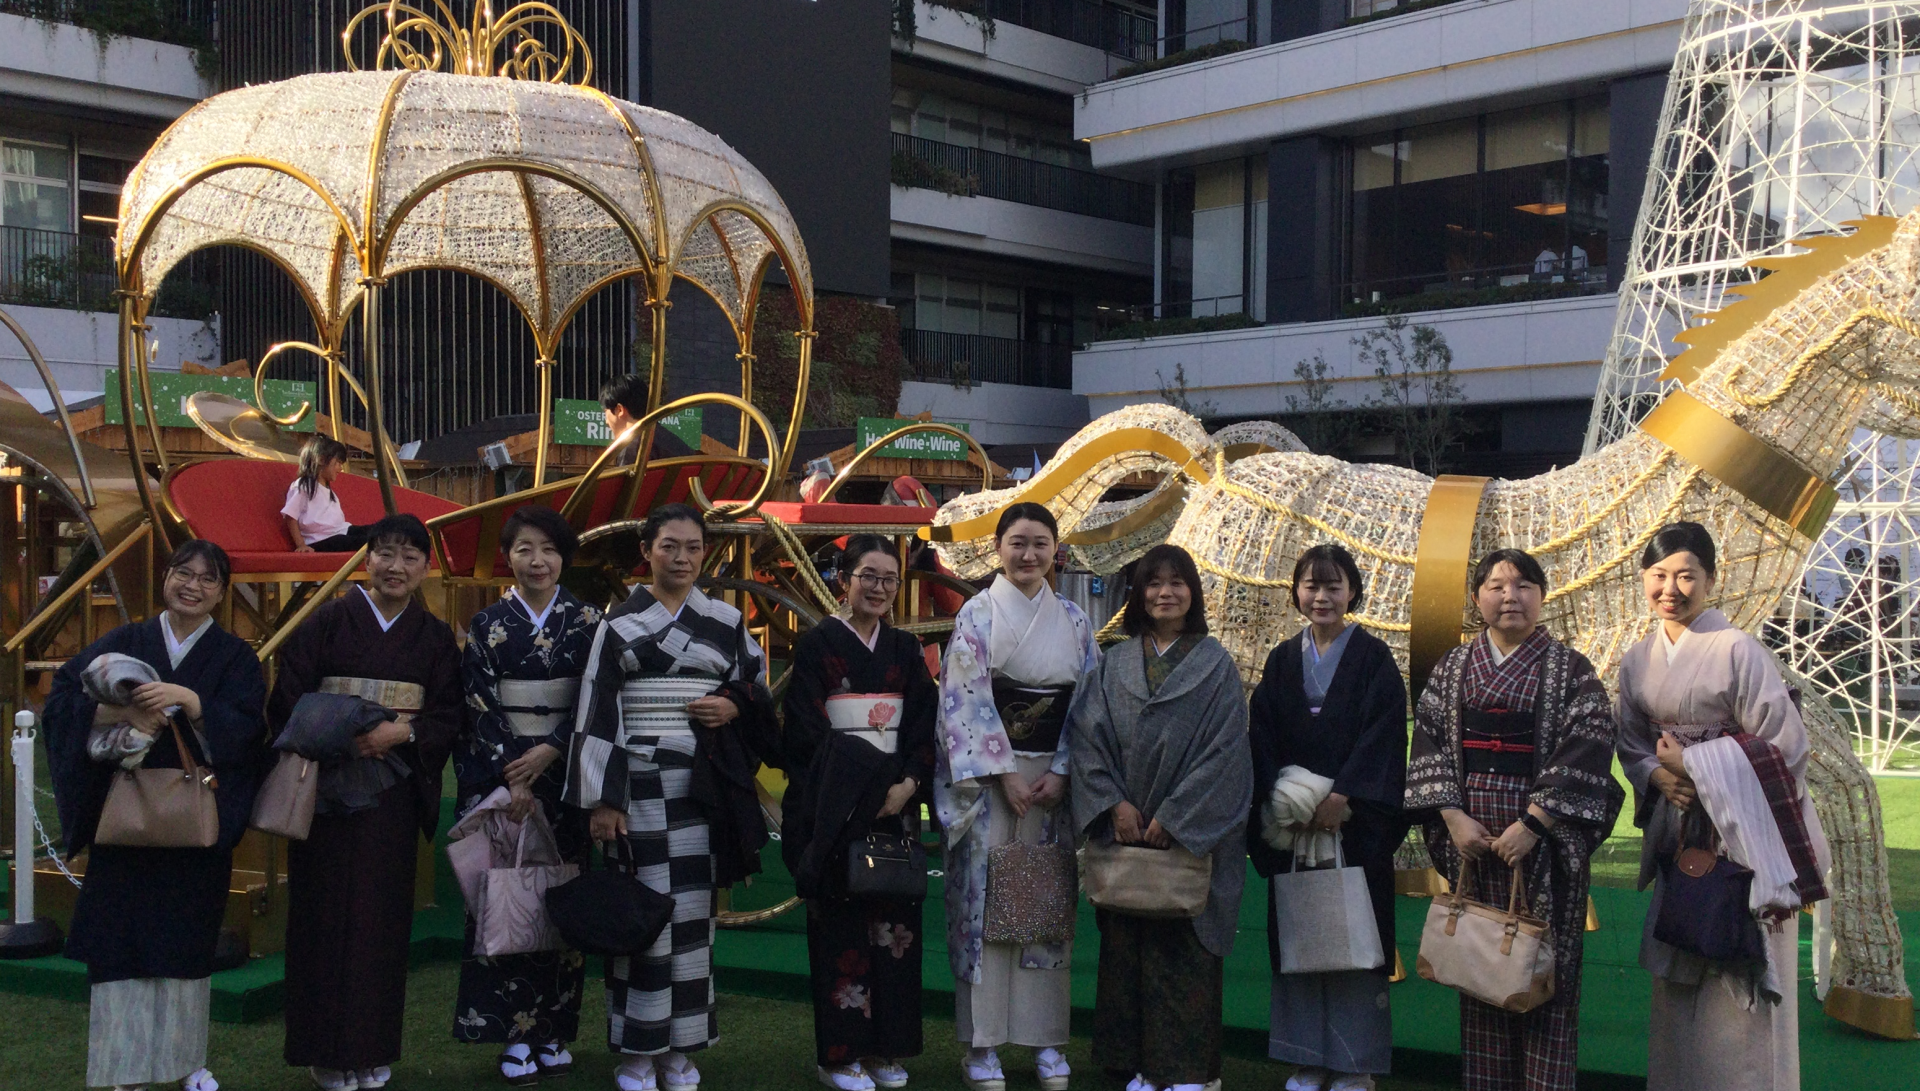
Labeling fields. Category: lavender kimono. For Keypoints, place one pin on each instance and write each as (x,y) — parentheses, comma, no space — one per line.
(1057,639)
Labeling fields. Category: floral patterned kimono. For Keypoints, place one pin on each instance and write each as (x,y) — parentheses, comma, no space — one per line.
(1004,640)
(516,670)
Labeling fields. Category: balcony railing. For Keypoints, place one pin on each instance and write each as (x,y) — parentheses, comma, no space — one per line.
(1360,11)
(1120,31)
(975,172)
(75,272)
(181,22)
(56,269)
(966,359)
(1539,279)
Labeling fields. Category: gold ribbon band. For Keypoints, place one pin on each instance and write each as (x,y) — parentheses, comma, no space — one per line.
(1126,441)
(1886,1016)
(1440,562)
(1743,462)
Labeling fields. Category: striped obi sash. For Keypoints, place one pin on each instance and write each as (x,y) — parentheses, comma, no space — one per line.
(656,704)
(536,708)
(404,698)
(873,717)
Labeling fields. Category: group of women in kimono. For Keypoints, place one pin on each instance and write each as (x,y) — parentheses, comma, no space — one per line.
(1032,742)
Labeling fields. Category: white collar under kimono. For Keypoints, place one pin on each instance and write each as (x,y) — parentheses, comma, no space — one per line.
(539,618)
(870,641)
(177,649)
(386,623)
(1033,639)
(1671,646)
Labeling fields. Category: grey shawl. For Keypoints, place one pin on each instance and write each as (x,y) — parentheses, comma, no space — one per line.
(1180,756)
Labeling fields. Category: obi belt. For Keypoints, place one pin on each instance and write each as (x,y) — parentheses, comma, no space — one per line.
(536,708)
(1034,716)
(871,717)
(404,698)
(1497,742)
(656,704)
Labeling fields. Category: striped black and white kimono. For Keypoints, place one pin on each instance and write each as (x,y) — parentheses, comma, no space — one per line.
(692,819)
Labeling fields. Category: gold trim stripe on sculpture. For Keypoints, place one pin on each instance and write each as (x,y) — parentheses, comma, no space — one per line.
(1440,563)
(1744,463)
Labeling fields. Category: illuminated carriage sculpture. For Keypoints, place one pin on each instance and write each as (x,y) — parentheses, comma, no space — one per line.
(477,147)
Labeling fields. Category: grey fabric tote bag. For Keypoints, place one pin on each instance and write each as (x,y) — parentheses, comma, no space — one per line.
(1325,919)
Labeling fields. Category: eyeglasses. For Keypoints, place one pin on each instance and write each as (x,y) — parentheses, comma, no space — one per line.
(206,581)
(875,580)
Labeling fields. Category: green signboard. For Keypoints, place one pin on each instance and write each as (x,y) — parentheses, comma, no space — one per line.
(582,422)
(928,445)
(171,389)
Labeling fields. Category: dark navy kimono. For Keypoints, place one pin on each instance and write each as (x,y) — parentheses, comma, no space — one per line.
(156,912)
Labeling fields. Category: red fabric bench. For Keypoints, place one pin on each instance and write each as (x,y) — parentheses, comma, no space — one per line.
(856,514)
(235,503)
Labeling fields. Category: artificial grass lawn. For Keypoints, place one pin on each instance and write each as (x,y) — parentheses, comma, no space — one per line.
(765,1044)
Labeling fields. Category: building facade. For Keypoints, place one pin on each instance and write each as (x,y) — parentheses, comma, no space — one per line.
(1323,167)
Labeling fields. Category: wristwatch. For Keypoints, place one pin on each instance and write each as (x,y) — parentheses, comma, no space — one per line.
(412,735)
(1532,822)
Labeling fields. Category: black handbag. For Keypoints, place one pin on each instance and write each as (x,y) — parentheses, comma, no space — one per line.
(887,867)
(609,912)
(1703,904)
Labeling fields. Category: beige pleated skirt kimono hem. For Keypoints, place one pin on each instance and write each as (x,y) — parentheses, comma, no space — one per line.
(147,1030)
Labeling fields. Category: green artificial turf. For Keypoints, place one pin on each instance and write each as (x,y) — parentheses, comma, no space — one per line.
(764,1044)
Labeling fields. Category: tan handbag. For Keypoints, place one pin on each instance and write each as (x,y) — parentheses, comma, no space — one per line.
(288,797)
(1501,957)
(161,808)
(1139,881)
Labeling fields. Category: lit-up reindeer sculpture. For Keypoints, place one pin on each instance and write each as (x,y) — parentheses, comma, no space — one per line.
(1774,387)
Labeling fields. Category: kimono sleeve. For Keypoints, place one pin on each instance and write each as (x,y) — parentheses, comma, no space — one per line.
(1763,707)
(1376,770)
(299,665)
(1262,726)
(1433,760)
(596,761)
(1634,736)
(79,783)
(1576,781)
(1097,767)
(758,725)
(1090,657)
(805,705)
(483,758)
(232,712)
(438,722)
(973,740)
(1215,788)
(922,708)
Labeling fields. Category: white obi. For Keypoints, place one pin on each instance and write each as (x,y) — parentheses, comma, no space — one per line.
(657,704)
(872,717)
(536,708)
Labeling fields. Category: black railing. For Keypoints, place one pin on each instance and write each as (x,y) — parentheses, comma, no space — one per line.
(1567,276)
(181,22)
(965,359)
(931,164)
(1120,31)
(56,269)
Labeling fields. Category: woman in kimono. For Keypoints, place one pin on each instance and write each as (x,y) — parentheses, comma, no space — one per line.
(858,747)
(522,670)
(1329,733)
(1717,752)
(350,883)
(1160,758)
(1512,767)
(674,717)
(148,919)
(1009,674)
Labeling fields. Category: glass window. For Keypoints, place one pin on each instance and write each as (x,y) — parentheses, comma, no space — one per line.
(1512,198)
(1000,311)
(34,191)
(1447,150)
(1219,231)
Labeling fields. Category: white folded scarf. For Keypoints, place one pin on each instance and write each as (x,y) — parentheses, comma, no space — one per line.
(1290,805)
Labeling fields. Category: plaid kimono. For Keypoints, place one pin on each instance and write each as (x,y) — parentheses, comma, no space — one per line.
(662,1000)
(1572,781)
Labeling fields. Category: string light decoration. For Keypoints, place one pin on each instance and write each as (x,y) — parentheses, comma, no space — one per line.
(1785,120)
(421,42)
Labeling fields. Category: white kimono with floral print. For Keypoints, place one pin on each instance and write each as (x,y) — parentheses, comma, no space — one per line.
(973,749)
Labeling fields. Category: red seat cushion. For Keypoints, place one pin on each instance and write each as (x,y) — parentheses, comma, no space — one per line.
(889,514)
(235,503)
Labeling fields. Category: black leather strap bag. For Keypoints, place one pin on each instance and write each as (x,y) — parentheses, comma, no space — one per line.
(887,867)
(609,912)
(1703,902)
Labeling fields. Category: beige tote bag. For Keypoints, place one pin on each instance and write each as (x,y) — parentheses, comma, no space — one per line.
(1499,957)
(1324,918)
(161,808)
(1139,881)
(288,797)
